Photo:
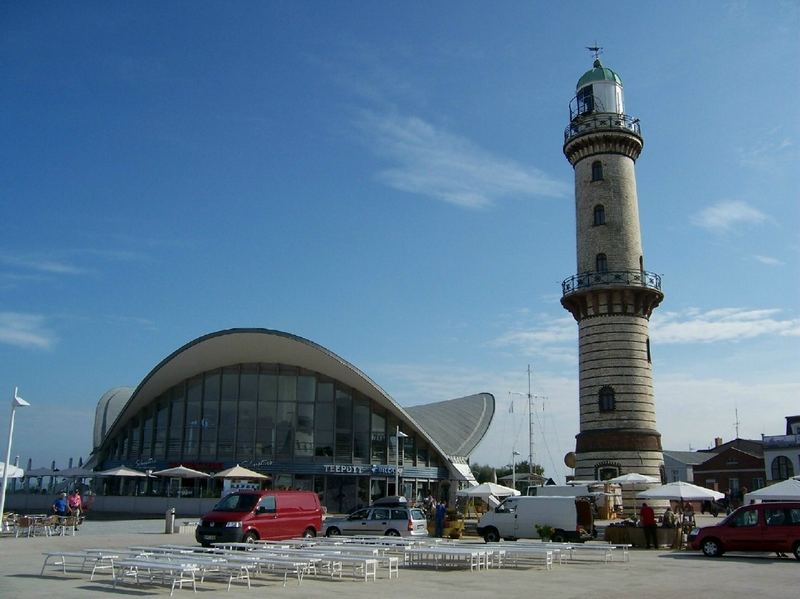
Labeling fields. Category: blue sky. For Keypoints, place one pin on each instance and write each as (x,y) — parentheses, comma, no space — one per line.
(386,179)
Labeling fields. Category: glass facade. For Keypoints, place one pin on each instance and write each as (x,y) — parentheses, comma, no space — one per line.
(308,431)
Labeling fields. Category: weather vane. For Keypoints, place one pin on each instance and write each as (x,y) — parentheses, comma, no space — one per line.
(595,50)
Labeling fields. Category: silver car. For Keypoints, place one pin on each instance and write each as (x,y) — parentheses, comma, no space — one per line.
(397,520)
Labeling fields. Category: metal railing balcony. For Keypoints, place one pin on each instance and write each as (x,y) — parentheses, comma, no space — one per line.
(621,278)
(600,121)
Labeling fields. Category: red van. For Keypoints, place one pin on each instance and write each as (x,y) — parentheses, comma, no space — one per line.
(251,515)
(772,526)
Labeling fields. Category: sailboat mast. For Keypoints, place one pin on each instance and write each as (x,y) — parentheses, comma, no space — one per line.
(530,423)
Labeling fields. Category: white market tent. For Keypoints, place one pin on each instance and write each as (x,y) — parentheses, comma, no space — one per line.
(680,491)
(486,490)
(634,478)
(787,490)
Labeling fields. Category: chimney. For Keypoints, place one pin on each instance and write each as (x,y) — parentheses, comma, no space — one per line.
(717,441)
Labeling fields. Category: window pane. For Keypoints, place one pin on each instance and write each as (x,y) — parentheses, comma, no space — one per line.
(378,438)
(344,447)
(304,434)
(361,430)
(284,438)
(227,412)
(147,435)
(287,388)
(135,443)
(306,386)
(246,420)
(344,426)
(208,438)
(161,423)
(176,423)
(323,444)
(194,422)
(265,425)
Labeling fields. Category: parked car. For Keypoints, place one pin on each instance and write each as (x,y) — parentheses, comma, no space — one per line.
(773,526)
(251,515)
(391,516)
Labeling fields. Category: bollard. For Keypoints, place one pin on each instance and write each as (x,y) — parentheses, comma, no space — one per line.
(169,521)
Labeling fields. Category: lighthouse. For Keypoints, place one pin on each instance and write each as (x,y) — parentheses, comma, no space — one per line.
(611,296)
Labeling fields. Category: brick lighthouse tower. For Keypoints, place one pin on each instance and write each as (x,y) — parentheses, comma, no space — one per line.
(612,296)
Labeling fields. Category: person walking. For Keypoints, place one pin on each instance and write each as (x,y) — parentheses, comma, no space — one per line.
(60,505)
(648,520)
(76,505)
(441,511)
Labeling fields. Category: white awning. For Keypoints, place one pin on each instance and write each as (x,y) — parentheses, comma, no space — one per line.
(466,473)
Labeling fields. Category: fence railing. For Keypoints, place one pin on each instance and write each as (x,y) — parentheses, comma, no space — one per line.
(600,121)
(630,278)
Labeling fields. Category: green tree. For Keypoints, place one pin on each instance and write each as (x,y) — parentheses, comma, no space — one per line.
(482,472)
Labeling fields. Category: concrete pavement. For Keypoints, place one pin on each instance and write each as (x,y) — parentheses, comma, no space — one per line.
(653,573)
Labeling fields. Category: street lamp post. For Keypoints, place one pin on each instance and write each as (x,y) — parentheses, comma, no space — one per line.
(398,435)
(16,402)
(514,455)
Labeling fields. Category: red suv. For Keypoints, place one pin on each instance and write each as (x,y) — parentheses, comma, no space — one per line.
(772,526)
(251,515)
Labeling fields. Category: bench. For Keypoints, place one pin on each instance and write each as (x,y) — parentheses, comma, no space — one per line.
(177,572)
(100,560)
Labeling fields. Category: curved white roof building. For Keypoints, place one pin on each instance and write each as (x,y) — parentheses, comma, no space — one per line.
(283,405)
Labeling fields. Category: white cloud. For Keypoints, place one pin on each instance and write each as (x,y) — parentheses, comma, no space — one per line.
(447,167)
(40,264)
(554,338)
(25,330)
(768,260)
(724,324)
(725,215)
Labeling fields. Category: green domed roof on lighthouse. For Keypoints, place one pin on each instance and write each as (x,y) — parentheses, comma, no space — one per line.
(598,73)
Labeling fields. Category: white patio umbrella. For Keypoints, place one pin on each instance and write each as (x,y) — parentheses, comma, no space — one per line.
(680,491)
(240,472)
(123,471)
(634,478)
(13,471)
(181,472)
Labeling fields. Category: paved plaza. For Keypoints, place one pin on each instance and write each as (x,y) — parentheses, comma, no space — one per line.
(661,573)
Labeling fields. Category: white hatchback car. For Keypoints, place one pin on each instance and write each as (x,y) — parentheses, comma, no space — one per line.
(390,516)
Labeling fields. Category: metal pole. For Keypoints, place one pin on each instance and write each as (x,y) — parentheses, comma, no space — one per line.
(16,401)
(514,455)
(6,465)
(397,461)
(513,469)
(398,435)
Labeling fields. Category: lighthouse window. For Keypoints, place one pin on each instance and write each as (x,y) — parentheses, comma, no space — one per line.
(599,215)
(597,171)
(606,399)
(585,99)
(601,263)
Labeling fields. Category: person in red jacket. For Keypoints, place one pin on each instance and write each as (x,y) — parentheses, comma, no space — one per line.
(647,518)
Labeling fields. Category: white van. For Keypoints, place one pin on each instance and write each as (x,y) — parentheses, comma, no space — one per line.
(517,517)
(559,491)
